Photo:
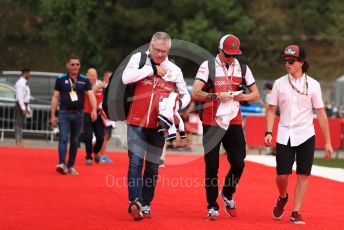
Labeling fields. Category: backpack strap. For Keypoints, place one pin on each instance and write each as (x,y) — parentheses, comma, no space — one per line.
(211,75)
(243,68)
(130,88)
(243,84)
(143,59)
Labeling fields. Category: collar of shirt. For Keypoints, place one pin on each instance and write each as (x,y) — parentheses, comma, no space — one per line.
(298,81)
(227,65)
(24,80)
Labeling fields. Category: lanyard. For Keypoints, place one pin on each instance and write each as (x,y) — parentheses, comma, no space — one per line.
(230,83)
(72,86)
(155,82)
(305,86)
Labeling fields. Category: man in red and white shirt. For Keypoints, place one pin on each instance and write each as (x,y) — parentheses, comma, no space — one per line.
(154,80)
(296,94)
(223,98)
(91,127)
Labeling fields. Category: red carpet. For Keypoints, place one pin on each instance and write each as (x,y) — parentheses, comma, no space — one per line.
(34,196)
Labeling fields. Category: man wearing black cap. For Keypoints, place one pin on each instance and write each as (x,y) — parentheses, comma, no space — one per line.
(222,121)
(296,94)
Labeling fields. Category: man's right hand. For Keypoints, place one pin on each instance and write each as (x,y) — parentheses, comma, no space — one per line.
(268,140)
(53,121)
(160,72)
(224,96)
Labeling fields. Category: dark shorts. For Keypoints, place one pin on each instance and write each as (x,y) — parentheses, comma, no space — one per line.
(285,157)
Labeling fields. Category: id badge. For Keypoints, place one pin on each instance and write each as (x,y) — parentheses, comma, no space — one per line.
(73,96)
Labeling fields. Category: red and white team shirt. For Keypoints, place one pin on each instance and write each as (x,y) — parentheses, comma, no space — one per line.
(226,80)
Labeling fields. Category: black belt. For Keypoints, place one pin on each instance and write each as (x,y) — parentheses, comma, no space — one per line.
(71,110)
(25,103)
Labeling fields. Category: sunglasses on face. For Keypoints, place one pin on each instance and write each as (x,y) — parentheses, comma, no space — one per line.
(289,61)
(75,64)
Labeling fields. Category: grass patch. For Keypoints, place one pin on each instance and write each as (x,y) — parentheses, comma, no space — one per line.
(333,163)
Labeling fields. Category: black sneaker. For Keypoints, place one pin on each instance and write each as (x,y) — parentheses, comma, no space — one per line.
(135,210)
(296,218)
(96,158)
(278,210)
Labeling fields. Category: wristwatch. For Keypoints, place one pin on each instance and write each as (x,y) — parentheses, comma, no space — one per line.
(212,96)
(267,133)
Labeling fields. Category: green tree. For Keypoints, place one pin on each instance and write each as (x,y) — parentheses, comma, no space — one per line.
(105,32)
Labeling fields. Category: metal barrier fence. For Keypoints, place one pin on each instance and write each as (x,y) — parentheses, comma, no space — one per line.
(37,123)
(119,134)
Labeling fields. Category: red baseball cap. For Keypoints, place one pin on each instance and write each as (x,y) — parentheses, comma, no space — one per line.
(294,52)
(230,45)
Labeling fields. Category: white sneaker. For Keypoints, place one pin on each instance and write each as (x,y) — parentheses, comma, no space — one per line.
(135,210)
(229,204)
(213,214)
(72,171)
(61,168)
(146,211)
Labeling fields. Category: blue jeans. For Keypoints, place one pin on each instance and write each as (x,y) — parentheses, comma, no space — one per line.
(69,125)
(143,143)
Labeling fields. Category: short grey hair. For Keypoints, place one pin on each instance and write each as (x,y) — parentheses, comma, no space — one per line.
(163,37)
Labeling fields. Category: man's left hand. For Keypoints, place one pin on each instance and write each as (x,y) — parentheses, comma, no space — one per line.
(240,97)
(94,115)
(328,151)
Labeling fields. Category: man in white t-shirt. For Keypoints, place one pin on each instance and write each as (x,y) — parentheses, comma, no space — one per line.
(296,94)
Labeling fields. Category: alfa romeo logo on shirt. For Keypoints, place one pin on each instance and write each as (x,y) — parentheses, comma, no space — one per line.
(147,82)
(219,83)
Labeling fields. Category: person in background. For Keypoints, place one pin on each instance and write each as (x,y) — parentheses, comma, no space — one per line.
(265,102)
(22,108)
(108,126)
(296,94)
(91,127)
(70,89)
(267,89)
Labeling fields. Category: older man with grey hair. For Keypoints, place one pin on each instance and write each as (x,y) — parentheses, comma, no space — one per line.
(156,77)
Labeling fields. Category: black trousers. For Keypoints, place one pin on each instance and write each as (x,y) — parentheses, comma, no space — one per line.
(86,136)
(233,141)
